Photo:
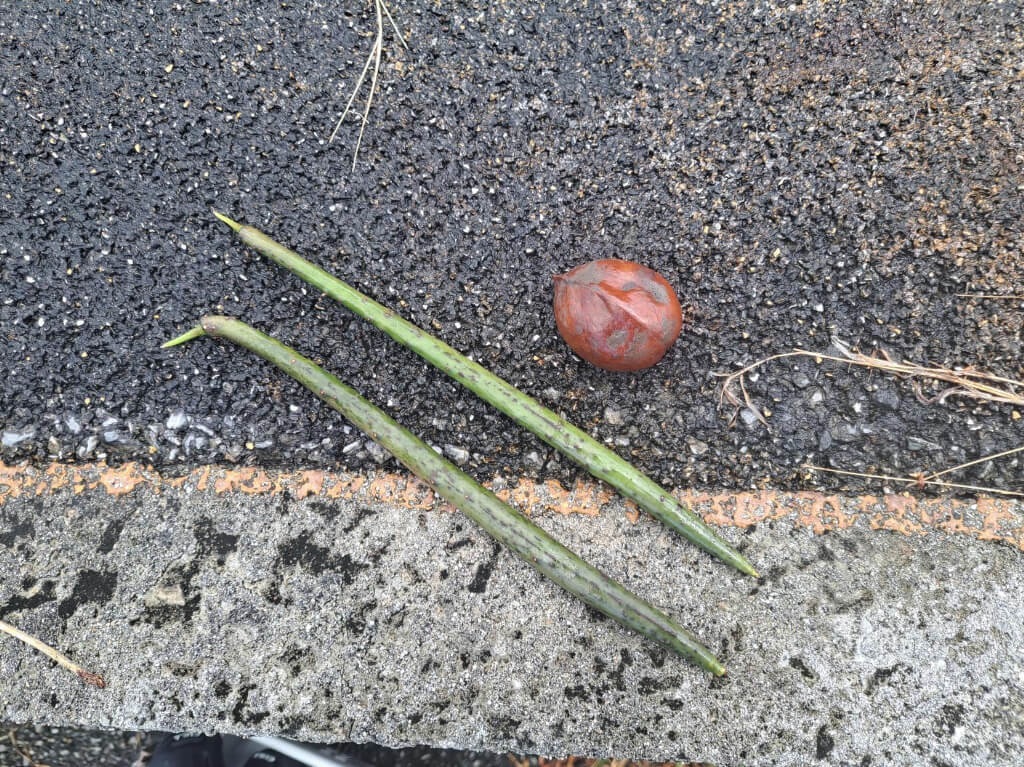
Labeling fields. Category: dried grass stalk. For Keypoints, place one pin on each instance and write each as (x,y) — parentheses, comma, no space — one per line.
(966,382)
(372,60)
(86,676)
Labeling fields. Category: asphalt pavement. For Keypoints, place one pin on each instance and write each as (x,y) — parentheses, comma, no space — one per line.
(77,746)
(799,173)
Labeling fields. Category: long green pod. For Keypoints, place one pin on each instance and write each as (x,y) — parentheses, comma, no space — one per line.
(523,409)
(482,506)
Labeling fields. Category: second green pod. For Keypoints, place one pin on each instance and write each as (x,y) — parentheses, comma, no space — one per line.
(501,521)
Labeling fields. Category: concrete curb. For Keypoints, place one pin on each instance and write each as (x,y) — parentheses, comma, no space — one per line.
(341,607)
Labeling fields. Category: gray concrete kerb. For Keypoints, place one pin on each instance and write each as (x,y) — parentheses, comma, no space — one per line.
(232,602)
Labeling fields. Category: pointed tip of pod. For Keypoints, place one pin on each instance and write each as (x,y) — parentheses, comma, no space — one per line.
(740,562)
(185,337)
(734,559)
(230,222)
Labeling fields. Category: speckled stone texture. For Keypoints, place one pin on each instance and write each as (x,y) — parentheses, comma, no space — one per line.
(329,620)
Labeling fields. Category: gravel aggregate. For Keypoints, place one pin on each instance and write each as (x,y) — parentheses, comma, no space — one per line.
(799,172)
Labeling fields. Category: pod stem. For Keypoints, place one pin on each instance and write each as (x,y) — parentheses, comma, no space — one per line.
(185,337)
(497,518)
(523,409)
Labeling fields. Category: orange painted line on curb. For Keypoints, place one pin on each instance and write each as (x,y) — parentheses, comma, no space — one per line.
(986,518)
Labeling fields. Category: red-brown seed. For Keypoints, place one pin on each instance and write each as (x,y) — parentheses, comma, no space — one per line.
(617,314)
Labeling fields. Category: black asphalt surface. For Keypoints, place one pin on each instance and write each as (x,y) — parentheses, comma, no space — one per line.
(29,746)
(38,746)
(798,172)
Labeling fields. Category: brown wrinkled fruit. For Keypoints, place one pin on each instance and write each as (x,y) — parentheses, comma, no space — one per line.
(616,314)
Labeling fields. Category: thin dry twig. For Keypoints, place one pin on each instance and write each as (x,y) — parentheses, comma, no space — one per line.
(86,676)
(918,481)
(976,461)
(965,382)
(921,479)
(373,60)
(997,296)
(23,751)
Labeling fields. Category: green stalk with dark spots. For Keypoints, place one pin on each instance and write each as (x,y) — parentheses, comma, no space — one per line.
(523,409)
(499,519)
